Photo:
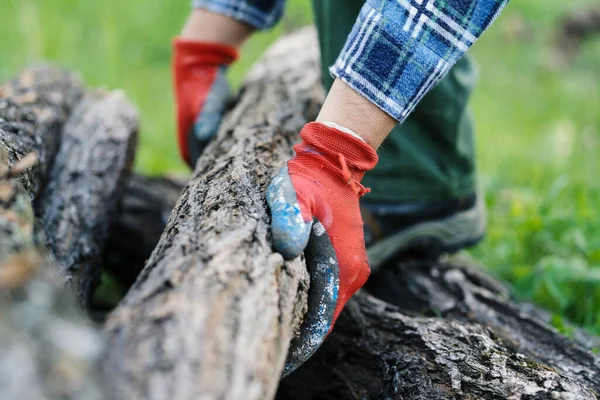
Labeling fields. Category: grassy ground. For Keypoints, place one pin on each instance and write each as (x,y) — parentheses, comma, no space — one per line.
(538,127)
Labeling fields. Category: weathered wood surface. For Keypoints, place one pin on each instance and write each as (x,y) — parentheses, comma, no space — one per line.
(213,312)
(47,349)
(33,109)
(456,289)
(191,325)
(85,186)
(144,212)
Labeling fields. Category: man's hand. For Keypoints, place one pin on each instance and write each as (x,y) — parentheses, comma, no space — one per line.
(201,92)
(316,195)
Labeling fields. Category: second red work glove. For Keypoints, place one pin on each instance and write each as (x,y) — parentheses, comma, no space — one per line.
(201,92)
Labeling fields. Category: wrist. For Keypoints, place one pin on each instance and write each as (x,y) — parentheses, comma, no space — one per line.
(207,26)
(346,107)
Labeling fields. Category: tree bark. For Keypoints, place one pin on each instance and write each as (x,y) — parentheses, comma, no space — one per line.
(214,310)
(33,109)
(86,184)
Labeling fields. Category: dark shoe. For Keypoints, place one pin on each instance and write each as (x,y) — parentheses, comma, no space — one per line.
(428,230)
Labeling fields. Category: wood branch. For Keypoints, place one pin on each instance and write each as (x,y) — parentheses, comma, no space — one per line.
(214,309)
(213,312)
(146,206)
(86,184)
(33,108)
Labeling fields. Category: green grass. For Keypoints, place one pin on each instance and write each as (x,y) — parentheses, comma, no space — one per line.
(538,137)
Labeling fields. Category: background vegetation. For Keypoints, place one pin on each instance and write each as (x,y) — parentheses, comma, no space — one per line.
(538,125)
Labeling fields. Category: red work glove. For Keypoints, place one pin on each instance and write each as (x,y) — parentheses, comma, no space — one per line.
(318,190)
(201,92)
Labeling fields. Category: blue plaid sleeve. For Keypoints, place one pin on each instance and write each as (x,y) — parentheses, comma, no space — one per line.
(398,50)
(261,14)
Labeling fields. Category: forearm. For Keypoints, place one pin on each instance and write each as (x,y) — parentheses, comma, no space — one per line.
(399,50)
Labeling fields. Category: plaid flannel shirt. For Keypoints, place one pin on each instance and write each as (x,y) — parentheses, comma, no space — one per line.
(398,49)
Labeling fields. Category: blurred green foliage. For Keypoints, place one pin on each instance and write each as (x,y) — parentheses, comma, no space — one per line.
(538,123)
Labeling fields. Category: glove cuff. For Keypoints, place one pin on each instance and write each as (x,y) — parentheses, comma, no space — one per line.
(192,53)
(331,143)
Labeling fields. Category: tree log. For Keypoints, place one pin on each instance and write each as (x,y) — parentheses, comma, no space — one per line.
(214,310)
(200,321)
(86,184)
(33,109)
(479,345)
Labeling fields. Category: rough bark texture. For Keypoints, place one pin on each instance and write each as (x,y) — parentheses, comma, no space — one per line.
(146,206)
(86,184)
(456,289)
(33,109)
(213,312)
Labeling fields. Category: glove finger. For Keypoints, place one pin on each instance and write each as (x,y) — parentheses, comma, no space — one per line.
(290,232)
(323,267)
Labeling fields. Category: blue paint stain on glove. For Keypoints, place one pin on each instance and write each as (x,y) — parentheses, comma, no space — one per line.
(290,231)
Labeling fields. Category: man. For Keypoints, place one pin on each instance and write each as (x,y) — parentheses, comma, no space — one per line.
(384,57)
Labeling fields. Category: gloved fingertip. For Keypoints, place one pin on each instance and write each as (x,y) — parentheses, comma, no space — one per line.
(290,232)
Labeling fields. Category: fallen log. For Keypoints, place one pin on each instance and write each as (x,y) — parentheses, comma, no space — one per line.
(456,288)
(213,311)
(478,345)
(47,349)
(33,109)
(85,185)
